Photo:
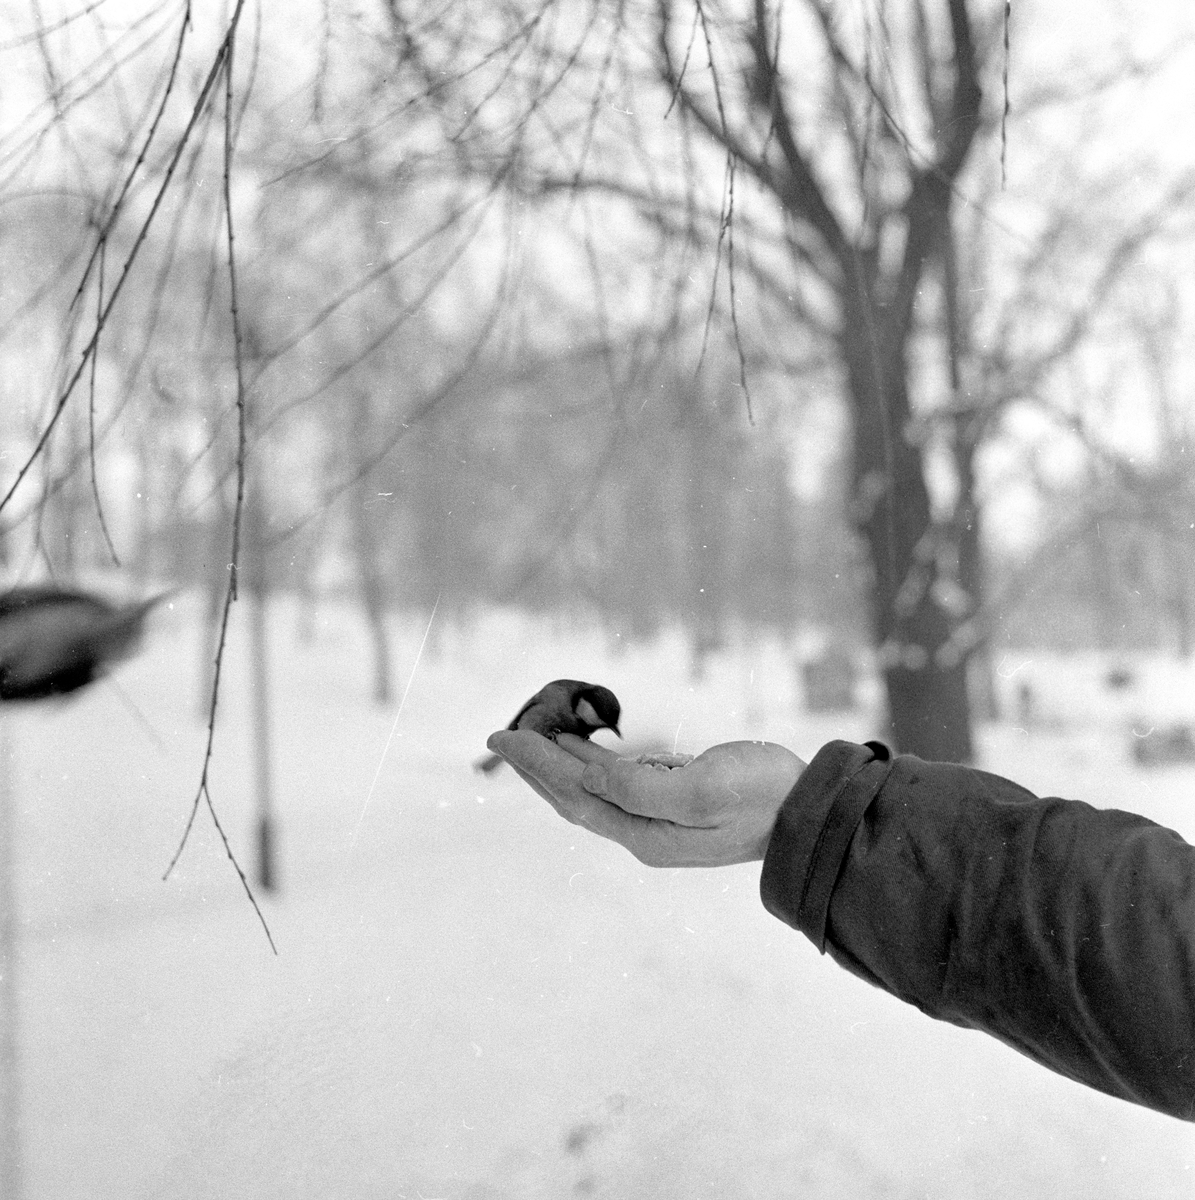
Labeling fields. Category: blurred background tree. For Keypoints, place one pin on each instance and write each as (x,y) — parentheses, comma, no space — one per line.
(741,317)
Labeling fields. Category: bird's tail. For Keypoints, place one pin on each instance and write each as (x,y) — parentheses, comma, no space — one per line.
(145,605)
(120,635)
(489,764)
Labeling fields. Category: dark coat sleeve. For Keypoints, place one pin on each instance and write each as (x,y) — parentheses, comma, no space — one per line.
(1066,931)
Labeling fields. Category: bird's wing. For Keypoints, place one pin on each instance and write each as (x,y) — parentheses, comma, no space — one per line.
(45,596)
(519,715)
(56,641)
(26,630)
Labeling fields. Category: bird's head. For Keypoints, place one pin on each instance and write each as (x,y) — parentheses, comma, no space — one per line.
(598,707)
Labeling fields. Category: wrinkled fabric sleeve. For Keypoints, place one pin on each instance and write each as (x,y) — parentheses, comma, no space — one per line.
(1066,931)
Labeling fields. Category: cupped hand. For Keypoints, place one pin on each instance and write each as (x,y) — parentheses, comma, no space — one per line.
(716,809)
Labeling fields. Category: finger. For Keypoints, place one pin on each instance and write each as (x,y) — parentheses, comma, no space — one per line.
(557,776)
(531,751)
(646,839)
(500,741)
(641,789)
(586,750)
(552,772)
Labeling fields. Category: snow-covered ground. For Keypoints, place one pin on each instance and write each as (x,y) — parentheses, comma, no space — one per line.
(474,1000)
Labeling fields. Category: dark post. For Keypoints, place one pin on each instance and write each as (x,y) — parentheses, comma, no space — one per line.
(267,875)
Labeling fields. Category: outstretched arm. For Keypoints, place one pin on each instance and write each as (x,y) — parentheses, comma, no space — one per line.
(1066,931)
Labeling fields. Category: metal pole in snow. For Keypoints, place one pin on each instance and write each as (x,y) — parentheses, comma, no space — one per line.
(266,874)
(10,1065)
(255,516)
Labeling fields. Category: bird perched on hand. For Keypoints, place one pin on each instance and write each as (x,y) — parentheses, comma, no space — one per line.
(563,706)
(55,640)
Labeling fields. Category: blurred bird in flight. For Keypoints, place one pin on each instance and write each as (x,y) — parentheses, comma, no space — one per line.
(55,640)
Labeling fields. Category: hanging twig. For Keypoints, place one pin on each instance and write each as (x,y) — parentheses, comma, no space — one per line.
(684,66)
(95,358)
(734,308)
(203,792)
(139,241)
(42,30)
(1004,113)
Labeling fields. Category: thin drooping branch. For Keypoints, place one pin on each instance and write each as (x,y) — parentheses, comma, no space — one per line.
(1007,108)
(443,84)
(412,418)
(203,791)
(724,220)
(363,282)
(43,30)
(1022,377)
(712,123)
(95,358)
(406,313)
(105,230)
(17,150)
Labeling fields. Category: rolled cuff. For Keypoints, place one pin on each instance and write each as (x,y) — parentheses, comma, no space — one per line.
(813,833)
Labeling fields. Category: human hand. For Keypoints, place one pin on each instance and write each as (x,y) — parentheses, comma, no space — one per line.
(716,809)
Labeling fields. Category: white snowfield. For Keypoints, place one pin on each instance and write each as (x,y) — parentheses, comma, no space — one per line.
(474,1000)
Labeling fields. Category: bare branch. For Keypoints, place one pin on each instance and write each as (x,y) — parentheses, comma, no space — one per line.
(95,484)
(203,792)
(1027,372)
(927,206)
(798,189)
(139,241)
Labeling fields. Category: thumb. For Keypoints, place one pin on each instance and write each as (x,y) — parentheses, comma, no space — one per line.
(594,780)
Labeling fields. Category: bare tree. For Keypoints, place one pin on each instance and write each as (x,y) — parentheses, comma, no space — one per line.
(838,168)
(370,561)
(798,175)
(819,158)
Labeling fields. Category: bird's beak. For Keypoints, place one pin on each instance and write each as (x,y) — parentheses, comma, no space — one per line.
(617,732)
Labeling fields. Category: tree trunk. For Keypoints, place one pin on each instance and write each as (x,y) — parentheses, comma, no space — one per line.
(705,536)
(928,705)
(365,543)
(373,593)
(1180,601)
(969,564)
